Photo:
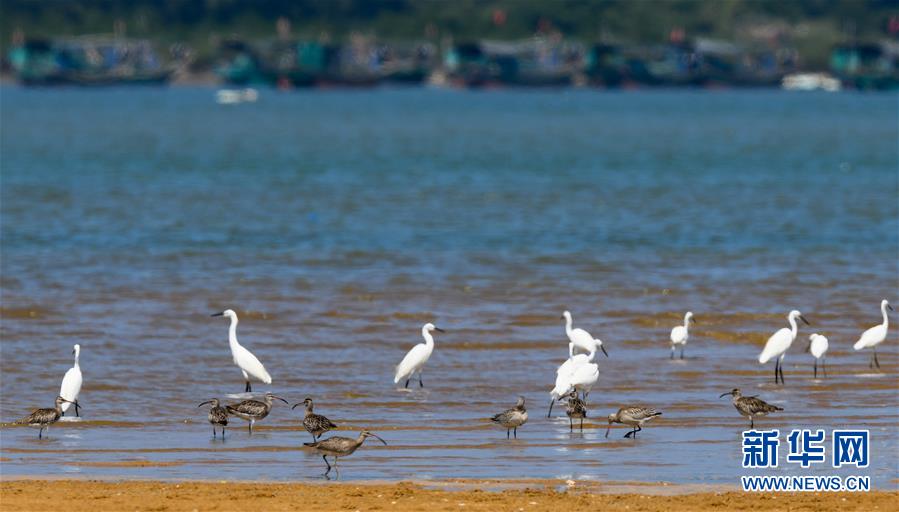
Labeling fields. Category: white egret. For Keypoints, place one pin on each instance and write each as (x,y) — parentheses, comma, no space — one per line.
(417,357)
(580,339)
(243,358)
(681,333)
(817,346)
(579,373)
(779,343)
(71,383)
(875,335)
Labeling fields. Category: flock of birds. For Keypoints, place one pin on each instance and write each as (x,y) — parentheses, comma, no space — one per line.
(574,379)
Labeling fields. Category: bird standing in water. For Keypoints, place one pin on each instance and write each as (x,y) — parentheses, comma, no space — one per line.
(339,446)
(875,335)
(512,418)
(750,406)
(680,334)
(777,345)
(577,409)
(633,416)
(71,383)
(315,424)
(817,347)
(243,358)
(218,416)
(417,357)
(43,418)
(253,410)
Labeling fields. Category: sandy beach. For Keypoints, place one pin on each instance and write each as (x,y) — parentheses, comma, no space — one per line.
(96,496)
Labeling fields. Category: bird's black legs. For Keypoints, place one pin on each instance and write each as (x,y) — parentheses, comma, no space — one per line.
(325,457)
(816,368)
(582,424)
(40,432)
(76,409)
(570,425)
(782,374)
(213,432)
(751,423)
(515,432)
(778,371)
(550,408)
(508,431)
(223,433)
(824,366)
(407,382)
(248,388)
(250,426)
(876,362)
(672,352)
(420,383)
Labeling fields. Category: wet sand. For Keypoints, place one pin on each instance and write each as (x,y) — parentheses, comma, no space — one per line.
(549,495)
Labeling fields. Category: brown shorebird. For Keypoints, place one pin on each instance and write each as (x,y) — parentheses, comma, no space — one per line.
(339,446)
(750,406)
(43,418)
(512,418)
(218,416)
(253,410)
(315,424)
(577,408)
(633,416)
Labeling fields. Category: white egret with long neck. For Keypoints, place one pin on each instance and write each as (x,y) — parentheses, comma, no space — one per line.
(243,358)
(875,335)
(680,334)
(779,343)
(417,357)
(71,383)
(580,339)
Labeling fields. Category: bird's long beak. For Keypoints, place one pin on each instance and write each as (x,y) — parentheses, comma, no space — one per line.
(604,350)
(218,314)
(204,403)
(551,402)
(438,329)
(279,398)
(297,404)
(608,429)
(891,307)
(804,320)
(378,438)
(692,320)
(725,394)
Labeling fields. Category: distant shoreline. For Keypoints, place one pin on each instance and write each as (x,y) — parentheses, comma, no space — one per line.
(96,496)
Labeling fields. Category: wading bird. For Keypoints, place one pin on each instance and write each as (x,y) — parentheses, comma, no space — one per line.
(71,383)
(512,418)
(680,334)
(579,339)
(315,424)
(43,418)
(253,410)
(817,346)
(875,335)
(243,358)
(633,416)
(576,409)
(750,406)
(339,446)
(778,344)
(417,357)
(579,373)
(218,416)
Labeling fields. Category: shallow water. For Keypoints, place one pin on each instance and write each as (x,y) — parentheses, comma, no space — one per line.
(337,222)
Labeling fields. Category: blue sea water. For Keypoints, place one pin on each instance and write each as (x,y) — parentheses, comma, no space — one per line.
(337,222)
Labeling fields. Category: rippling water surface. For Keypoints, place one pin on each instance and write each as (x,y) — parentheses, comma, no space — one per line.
(337,222)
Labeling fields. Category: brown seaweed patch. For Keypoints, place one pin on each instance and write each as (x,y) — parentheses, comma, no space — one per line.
(127,464)
(23,313)
(532,320)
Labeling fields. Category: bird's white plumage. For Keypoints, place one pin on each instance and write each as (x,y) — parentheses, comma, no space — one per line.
(875,335)
(243,358)
(681,333)
(579,372)
(416,357)
(71,382)
(778,344)
(578,338)
(818,345)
